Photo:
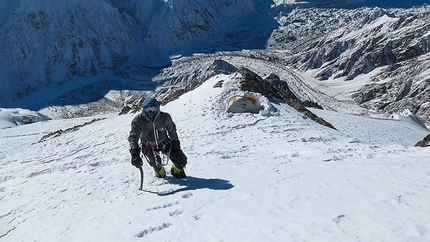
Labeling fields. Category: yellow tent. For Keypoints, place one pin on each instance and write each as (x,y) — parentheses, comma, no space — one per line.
(244,104)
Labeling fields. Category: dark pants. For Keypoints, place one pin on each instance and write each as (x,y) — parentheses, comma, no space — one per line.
(177,156)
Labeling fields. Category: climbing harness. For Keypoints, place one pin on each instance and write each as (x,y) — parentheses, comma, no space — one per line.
(162,160)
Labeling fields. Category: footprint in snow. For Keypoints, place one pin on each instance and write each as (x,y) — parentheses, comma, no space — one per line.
(167,205)
(176,212)
(151,230)
(188,195)
(339,218)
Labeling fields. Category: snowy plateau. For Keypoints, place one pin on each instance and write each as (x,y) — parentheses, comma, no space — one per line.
(70,67)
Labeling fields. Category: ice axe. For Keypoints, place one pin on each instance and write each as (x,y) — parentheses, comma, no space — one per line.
(141,178)
(141,182)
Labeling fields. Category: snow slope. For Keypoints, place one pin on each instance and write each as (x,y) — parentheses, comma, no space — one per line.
(273,176)
(10,117)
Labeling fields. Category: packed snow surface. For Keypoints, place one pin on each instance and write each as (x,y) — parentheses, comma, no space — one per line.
(273,176)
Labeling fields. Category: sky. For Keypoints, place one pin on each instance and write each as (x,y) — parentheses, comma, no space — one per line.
(272,176)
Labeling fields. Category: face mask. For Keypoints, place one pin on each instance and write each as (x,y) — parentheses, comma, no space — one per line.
(151,112)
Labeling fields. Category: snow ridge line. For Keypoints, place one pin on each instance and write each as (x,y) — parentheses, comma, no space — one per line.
(73,129)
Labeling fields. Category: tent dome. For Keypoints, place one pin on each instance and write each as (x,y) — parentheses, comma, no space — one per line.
(244,104)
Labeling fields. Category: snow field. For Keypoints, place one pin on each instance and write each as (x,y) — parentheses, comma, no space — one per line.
(251,177)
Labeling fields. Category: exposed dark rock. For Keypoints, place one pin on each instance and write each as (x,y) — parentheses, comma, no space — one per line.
(69,130)
(219,84)
(133,108)
(255,83)
(175,95)
(424,143)
(275,81)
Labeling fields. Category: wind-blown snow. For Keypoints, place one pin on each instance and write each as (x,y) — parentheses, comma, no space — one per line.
(277,177)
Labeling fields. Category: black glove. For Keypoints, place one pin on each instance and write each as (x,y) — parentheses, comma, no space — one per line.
(176,145)
(135,157)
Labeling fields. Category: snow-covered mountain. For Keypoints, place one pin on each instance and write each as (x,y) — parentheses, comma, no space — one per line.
(45,43)
(380,54)
(272,176)
(81,58)
(69,67)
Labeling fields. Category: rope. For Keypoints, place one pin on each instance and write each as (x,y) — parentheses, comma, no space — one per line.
(165,160)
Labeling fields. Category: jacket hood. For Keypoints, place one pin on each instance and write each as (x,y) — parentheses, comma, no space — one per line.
(150,102)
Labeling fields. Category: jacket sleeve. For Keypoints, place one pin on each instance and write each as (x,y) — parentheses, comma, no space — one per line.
(134,136)
(171,128)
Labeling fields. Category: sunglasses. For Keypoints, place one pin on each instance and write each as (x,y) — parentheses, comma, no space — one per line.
(153,109)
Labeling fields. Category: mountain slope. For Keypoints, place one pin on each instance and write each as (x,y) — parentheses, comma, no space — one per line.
(81,58)
(45,43)
(257,177)
(379,54)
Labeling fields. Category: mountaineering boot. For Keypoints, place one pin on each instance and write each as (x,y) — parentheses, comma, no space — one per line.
(177,172)
(161,173)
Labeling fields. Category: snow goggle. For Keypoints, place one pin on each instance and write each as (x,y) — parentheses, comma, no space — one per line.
(151,109)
